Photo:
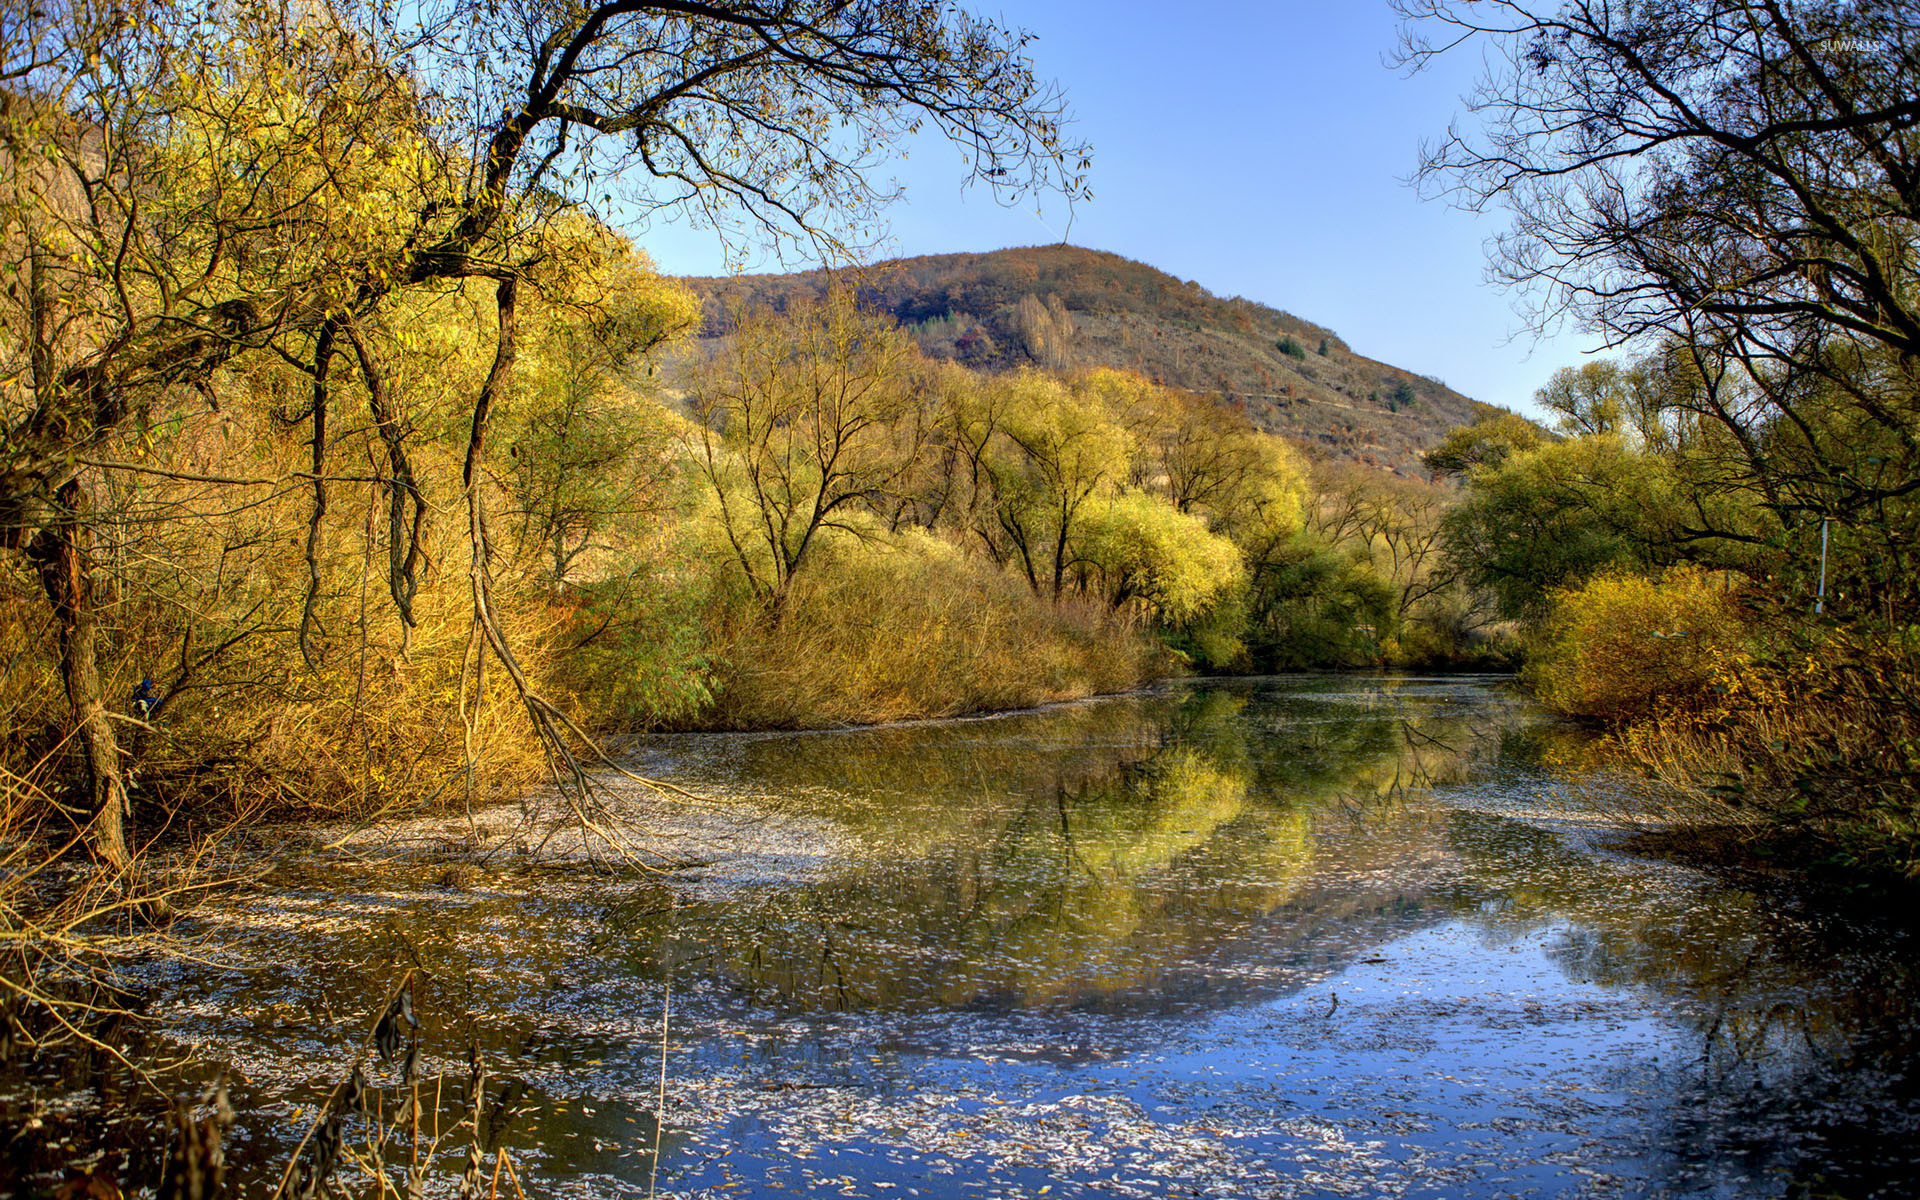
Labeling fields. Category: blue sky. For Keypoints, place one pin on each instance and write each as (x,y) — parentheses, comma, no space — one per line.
(1260,150)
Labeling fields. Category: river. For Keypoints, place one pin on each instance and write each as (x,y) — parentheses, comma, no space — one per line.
(1304,936)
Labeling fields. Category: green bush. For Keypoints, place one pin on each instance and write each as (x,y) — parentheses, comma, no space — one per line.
(634,649)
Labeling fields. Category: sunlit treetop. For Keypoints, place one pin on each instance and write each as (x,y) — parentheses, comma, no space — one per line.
(208,178)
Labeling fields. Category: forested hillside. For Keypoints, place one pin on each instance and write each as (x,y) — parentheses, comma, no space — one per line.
(1066,307)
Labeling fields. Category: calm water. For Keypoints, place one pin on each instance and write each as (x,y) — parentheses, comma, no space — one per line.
(1294,937)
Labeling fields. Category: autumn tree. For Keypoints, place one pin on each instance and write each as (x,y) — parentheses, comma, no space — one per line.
(1137,546)
(173,212)
(1735,181)
(1560,514)
(590,445)
(1487,442)
(1590,398)
(1054,451)
(180,205)
(803,421)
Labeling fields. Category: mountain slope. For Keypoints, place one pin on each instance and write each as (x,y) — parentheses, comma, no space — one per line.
(1067,307)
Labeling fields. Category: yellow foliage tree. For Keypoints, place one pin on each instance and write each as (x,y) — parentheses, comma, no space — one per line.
(1141,547)
(1056,448)
(1622,646)
(801,421)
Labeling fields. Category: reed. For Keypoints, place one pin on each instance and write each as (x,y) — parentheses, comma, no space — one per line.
(876,637)
(1812,754)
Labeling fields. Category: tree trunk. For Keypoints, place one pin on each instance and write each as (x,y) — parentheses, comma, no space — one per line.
(58,552)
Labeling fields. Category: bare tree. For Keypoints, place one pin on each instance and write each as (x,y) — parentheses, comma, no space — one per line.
(1735,179)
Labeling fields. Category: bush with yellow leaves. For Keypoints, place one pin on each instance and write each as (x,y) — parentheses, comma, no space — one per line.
(1624,647)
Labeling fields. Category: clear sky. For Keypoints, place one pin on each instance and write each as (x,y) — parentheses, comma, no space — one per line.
(1260,149)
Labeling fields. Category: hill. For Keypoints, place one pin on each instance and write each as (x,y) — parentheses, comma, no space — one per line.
(1068,307)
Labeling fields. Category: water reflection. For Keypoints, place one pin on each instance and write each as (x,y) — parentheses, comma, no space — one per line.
(1089,854)
(1269,937)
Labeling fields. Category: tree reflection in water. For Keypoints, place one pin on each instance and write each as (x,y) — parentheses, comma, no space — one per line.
(1287,933)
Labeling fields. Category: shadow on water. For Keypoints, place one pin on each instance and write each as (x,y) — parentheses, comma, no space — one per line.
(1302,936)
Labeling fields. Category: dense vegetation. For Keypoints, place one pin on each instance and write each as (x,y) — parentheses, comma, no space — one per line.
(340,477)
(351,464)
(321,471)
(1717,559)
(1064,307)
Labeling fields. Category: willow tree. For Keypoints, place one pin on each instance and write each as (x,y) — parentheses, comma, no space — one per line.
(1056,449)
(804,420)
(182,204)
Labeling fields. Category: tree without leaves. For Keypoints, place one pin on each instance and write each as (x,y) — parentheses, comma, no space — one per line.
(1204,456)
(1395,525)
(1740,178)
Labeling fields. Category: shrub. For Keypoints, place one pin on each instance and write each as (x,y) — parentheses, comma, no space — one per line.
(1816,750)
(633,650)
(1624,647)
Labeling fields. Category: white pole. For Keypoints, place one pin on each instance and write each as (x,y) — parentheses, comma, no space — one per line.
(1820,604)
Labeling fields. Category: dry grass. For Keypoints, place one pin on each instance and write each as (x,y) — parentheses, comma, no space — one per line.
(370,729)
(918,632)
(1817,754)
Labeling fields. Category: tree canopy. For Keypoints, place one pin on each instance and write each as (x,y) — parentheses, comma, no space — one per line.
(197,187)
(1735,181)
